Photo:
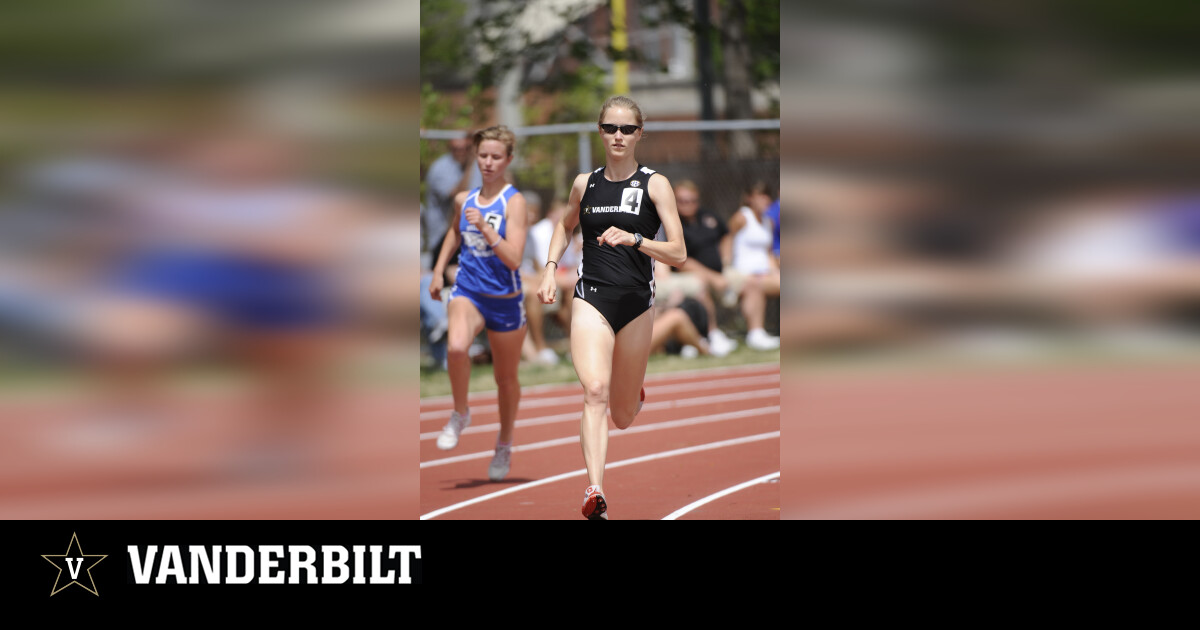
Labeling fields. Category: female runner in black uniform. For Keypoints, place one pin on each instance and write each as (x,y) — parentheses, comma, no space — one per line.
(621,207)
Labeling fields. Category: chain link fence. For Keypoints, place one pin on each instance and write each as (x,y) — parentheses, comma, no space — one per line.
(721,157)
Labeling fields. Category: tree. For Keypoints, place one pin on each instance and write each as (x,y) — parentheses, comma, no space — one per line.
(445,56)
(744,42)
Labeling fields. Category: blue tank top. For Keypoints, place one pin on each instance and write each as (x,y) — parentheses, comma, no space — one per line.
(479,268)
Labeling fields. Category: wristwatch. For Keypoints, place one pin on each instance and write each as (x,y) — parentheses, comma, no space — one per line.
(637,241)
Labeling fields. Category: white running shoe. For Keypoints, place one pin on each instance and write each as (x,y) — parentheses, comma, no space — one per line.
(689,352)
(449,437)
(547,357)
(501,462)
(720,345)
(760,340)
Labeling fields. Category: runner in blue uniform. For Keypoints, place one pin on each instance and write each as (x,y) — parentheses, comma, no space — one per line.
(620,207)
(490,230)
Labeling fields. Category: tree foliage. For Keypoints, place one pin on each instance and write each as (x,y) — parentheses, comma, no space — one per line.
(445,55)
(757,20)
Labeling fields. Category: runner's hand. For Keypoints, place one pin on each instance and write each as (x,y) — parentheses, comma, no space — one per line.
(615,236)
(474,217)
(548,289)
(435,286)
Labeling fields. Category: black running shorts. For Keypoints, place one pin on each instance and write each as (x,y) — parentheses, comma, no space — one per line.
(618,305)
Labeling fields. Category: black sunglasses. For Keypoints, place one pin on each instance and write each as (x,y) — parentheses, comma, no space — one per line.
(625,129)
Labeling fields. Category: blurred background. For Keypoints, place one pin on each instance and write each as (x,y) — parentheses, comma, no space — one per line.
(992,279)
(706,77)
(990,286)
(206,211)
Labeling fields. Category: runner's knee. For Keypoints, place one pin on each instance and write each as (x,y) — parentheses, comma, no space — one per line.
(506,378)
(458,345)
(595,392)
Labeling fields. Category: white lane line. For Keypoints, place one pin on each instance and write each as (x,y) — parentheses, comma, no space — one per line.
(438,414)
(717,495)
(577,397)
(609,466)
(662,376)
(483,428)
(654,406)
(574,439)
(758,379)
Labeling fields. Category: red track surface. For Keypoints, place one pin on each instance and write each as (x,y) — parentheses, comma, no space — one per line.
(194,466)
(1105,442)
(1097,442)
(683,411)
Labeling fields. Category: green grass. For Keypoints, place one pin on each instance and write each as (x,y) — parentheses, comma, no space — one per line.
(437,383)
(1060,353)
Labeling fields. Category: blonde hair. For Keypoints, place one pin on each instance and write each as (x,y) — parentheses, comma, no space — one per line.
(496,132)
(688,184)
(621,101)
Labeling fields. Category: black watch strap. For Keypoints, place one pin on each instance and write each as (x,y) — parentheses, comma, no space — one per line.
(637,241)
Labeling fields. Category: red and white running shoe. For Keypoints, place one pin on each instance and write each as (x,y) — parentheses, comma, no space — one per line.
(594,507)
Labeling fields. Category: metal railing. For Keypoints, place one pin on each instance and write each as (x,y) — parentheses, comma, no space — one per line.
(584,129)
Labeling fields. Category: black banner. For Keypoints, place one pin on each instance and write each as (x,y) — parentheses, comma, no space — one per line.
(50,565)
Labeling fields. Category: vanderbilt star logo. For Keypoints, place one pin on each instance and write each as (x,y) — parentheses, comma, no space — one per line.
(75,563)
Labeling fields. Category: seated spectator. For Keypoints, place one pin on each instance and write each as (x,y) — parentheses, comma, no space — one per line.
(537,245)
(754,272)
(705,236)
(773,215)
(677,330)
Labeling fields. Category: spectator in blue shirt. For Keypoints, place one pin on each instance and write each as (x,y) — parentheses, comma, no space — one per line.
(773,215)
(447,176)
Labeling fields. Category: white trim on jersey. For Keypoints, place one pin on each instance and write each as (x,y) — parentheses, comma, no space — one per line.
(499,197)
(652,279)
(503,199)
(647,171)
(474,195)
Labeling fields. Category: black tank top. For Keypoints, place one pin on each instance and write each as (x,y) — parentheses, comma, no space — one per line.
(627,205)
